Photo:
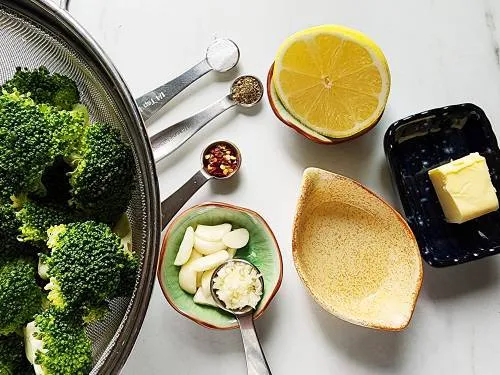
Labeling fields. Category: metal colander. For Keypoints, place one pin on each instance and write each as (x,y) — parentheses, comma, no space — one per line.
(37,32)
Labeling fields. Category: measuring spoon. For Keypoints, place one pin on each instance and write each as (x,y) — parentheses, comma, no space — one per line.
(256,360)
(222,55)
(170,139)
(172,205)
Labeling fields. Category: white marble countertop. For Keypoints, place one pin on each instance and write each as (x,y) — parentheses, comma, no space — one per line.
(440,52)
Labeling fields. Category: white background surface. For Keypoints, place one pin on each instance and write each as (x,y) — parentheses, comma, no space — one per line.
(440,52)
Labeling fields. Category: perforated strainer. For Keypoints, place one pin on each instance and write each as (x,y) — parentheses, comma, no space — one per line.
(34,33)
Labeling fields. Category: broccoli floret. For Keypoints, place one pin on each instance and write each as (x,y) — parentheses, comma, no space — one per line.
(45,88)
(9,225)
(12,358)
(128,275)
(84,266)
(102,180)
(95,313)
(56,344)
(128,272)
(83,111)
(20,296)
(36,218)
(67,129)
(31,137)
(26,146)
(10,246)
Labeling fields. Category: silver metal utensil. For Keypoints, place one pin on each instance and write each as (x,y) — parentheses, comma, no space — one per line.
(256,360)
(222,55)
(170,139)
(172,205)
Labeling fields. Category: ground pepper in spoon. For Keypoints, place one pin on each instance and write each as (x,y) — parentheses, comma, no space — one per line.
(246,90)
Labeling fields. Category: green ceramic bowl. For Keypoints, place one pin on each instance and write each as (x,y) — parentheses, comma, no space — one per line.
(262,250)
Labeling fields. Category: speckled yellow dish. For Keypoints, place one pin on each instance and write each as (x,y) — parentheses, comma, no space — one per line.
(355,254)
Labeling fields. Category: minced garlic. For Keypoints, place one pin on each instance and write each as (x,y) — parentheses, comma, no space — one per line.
(238,285)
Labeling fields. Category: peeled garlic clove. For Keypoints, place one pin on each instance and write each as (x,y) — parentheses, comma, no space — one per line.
(198,279)
(201,299)
(212,233)
(185,248)
(236,239)
(207,247)
(205,281)
(231,252)
(187,275)
(210,261)
(187,279)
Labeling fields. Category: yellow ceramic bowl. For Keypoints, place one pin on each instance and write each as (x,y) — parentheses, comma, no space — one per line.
(355,254)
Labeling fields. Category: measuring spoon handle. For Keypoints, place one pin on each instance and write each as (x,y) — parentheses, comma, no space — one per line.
(170,139)
(256,360)
(172,205)
(150,103)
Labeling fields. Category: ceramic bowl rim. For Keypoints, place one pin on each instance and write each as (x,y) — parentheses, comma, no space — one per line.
(163,252)
(406,227)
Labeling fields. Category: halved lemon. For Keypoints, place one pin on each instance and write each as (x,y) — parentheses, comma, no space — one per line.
(332,79)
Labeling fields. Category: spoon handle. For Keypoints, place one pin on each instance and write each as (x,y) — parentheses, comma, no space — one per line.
(150,103)
(170,139)
(256,360)
(172,205)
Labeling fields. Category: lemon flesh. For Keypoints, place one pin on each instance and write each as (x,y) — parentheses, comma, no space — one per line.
(332,79)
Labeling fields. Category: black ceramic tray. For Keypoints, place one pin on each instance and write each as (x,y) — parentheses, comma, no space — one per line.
(418,143)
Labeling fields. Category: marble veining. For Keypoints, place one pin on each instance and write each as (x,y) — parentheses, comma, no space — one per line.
(490,22)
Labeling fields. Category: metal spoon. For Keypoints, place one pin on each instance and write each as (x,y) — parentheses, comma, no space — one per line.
(256,360)
(222,55)
(170,139)
(172,205)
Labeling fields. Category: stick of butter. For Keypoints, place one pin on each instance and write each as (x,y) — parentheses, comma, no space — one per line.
(464,188)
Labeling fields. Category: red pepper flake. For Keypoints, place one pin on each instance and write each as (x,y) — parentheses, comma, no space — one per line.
(221,160)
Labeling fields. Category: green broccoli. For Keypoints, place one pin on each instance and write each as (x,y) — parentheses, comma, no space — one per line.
(128,273)
(36,218)
(85,265)
(11,247)
(9,225)
(83,111)
(45,88)
(26,146)
(103,178)
(56,344)
(12,357)
(20,296)
(57,170)
(95,313)
(31,138)
(67,129)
